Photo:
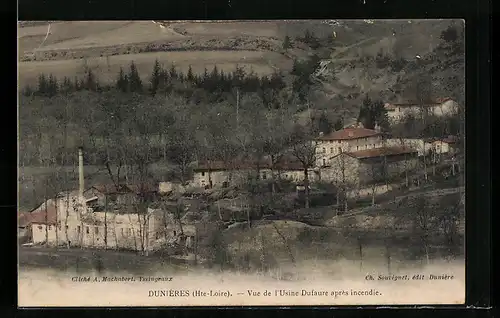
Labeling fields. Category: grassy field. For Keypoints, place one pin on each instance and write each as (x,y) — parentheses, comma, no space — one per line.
(261,29)
(104,46)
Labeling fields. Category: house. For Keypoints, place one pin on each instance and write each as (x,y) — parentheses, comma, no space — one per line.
(371,165)
(422,146)
(439,107)
(346,140)
(447,145)
(220,174)
(43,223)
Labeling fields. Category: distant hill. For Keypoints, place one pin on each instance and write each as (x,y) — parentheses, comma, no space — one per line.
(348,49)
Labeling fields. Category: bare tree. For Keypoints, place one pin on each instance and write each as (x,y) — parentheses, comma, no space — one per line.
(305,152)
(421,217)
(376,175)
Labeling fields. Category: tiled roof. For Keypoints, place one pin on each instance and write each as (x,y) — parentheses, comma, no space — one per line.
(238,165)
(23,219)
(349,133)
(382,151)
(44,216)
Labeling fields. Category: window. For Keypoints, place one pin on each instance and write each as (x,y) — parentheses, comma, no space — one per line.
(50,227)
(96,229)
(264,175)
(339,141)
(324,162)
(67,227)
(331,150)
(129,232)
(324,149)
(78,229)
(39,227)
(175,233)
(87,229)
(122,231)
(357,147)
(203,174)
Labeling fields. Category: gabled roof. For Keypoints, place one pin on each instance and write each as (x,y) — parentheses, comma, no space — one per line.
(350,133)
(247,165)
(42,215)
(23,218)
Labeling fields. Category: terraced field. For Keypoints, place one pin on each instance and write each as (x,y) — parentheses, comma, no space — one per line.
(66,48)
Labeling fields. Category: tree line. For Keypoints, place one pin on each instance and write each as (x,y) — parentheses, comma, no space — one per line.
(210,86)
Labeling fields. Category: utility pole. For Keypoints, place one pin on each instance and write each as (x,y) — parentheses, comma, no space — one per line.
(106,222)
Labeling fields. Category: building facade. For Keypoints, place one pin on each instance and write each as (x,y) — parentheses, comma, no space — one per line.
(70,221)
(218,174)
(346,140)
(354,169)
(441,107)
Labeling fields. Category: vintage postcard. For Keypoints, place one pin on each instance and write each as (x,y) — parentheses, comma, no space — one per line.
(235,163)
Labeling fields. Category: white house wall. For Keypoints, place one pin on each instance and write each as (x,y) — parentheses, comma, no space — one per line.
(87,229)
(329,148)
(238,177)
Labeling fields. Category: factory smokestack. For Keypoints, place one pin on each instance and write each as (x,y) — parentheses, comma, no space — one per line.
(80,172)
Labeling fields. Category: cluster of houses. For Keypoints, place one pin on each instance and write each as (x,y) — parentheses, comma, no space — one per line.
(119,216)
(353,155)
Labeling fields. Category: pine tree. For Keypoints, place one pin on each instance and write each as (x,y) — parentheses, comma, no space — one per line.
(173,71)
(42,85)
(155,77)
(215,73)
(204,79)
(213,79)
(52,86)
(134,80)
(122,82)
(66,85)
(90,80)
(372,113)
(190,76)
(277,83)
(287,43)
(238,76)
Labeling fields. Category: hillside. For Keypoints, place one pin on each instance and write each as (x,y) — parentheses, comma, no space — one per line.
(67,48)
